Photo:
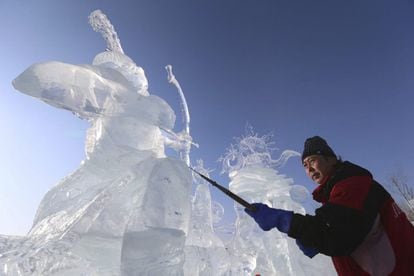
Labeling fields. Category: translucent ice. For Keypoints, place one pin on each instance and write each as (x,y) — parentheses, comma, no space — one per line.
(251,150)
(186,145)
(126,209)
(205,251)
(100,23)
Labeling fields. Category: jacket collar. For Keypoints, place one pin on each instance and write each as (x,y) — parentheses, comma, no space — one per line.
(322,192)
(319,194)
(344,169)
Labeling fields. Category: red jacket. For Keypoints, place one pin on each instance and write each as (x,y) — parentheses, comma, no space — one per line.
(359,225)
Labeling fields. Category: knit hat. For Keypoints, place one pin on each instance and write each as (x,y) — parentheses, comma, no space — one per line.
(316,146)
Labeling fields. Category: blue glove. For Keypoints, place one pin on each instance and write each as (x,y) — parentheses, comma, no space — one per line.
(308,251)
(268,218)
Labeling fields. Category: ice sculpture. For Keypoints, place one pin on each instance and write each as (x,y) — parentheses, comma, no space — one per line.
(184,135)
(254,177)
(126,209)
(205,251)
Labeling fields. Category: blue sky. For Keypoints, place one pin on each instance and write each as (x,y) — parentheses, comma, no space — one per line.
(342,70)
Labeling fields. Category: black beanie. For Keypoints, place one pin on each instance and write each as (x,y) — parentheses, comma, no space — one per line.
(316,146)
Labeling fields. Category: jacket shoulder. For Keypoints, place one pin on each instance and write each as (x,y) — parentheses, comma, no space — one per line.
(352,185)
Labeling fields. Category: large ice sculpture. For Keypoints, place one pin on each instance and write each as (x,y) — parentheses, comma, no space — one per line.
(254,177)
(126,209)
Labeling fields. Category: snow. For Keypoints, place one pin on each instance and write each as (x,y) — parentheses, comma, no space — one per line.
(128,208)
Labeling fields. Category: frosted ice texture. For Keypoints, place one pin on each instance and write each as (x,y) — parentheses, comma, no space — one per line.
(205,251)
(126,209)
(185,133)
(100,23)
(252,150)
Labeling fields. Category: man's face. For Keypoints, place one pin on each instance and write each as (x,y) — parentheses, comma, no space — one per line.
(318,167)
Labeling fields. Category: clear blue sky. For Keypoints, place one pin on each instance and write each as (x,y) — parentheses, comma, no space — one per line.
(340,69)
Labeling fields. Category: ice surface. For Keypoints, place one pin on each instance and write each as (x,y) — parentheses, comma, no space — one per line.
(100,23)
(128,209)
(205,251)
(185,153)
(125,193)
(251,150)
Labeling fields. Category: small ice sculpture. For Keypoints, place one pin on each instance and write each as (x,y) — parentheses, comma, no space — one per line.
(254,176)
(205,251)
(126,209)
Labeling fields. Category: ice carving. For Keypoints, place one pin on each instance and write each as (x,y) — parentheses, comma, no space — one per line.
(205,251)
(217,211)
(254,176)
(100,23)
(185,134)
(251,150)
(126,209)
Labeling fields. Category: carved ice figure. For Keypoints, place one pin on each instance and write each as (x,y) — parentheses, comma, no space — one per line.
(126,209)
(254,177)
(205,251)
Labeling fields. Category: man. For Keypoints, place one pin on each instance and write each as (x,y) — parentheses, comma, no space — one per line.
(359,225)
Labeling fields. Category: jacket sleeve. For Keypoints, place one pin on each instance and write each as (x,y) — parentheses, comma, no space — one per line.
(334,230)
(339,226)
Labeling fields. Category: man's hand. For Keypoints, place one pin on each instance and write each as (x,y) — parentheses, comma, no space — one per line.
(268,218)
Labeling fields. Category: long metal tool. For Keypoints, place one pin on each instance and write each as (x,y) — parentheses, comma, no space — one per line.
(227,192)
